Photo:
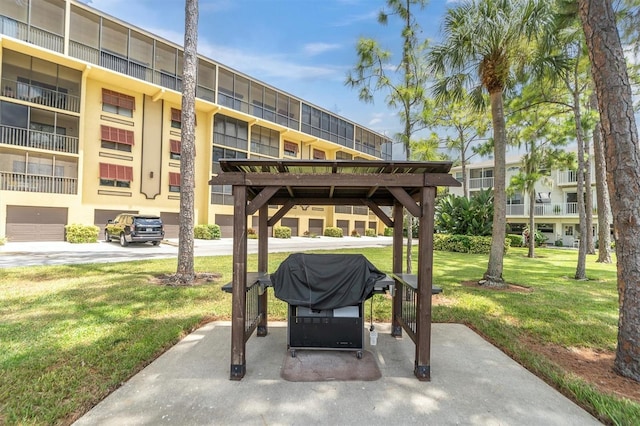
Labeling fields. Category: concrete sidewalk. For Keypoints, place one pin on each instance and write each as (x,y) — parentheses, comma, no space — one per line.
(472,383)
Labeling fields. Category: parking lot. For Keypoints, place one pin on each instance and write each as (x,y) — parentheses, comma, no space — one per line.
(64,253)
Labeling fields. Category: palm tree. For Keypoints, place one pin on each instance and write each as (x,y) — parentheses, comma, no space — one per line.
(485,43)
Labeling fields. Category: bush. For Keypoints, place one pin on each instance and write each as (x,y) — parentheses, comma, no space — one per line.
(465,243)
(78,234)
(355,233)
(333,231)
(559,243)
(388,232)
(3,241)
(251,234)
(516,240)
(282,232)
(207,232)
(370,232)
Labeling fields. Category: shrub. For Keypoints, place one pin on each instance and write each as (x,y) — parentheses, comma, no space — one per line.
(76,233)
(251,234)
(355,233)
(3,241)
(370,232)
(333,231)
(207,232)
(465,243)
(516,240)
(388,232)
(282,232)
(559,243)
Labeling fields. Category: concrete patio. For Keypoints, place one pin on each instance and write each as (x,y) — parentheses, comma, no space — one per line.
(472,383)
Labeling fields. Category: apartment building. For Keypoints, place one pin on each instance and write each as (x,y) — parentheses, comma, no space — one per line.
(556,201)
(90,126)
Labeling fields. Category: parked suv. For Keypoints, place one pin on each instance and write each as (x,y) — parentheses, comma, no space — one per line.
(134,228)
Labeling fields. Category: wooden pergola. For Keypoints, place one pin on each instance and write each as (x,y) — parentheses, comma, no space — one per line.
(258,184)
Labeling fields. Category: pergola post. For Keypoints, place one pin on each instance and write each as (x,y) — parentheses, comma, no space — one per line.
(263,265)
(239,289)
(422,368)
(398,248)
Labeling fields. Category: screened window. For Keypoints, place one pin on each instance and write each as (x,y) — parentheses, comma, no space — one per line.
(174,182)
(230,132)
(291,149)
(118,103)
(175,149)
(115,175)
(116,139)
(265,141)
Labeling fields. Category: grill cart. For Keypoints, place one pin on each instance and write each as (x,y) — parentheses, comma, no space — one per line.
(325,294)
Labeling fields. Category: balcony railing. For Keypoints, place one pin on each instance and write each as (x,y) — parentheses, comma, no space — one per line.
(21,31)
(36,139)
(40,95)
(481,183)
(547,209)
(37,183)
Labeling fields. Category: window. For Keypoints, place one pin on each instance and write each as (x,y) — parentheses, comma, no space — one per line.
(222,194)
(318,155)
(117,139)
(176,118)
(265,141)
(230,132)
(175,147)
(327,126)
(174,182)
(118,103)
(115,175)
(291,149)
(341,155)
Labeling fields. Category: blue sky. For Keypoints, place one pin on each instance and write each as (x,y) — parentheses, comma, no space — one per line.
(304,47)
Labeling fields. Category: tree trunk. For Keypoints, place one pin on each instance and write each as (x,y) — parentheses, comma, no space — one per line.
(493,275)
(532,232)
(610,76)
(602,192)
(581,272)
(588,200)
(185,272)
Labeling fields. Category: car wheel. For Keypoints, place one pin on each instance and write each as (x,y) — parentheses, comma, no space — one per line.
(123,240)
(155,243)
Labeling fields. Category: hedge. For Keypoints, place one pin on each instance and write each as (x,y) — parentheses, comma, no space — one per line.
(465,243)
(333,231)
(78,234)
(207,232)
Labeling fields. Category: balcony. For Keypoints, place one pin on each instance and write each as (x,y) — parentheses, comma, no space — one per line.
(546,210)
(31,34)
(39,140)
(481,183)
(40,95)
(37,183)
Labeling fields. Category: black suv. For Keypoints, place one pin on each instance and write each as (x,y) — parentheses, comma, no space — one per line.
(134,228)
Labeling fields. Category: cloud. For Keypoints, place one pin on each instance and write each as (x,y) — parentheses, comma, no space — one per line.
(313,49)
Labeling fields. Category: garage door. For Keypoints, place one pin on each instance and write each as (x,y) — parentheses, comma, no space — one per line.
(316,226)
(360,226)
(27,223)
(291,223)
(344,225)
(225,221)
(255,224)
(171,222)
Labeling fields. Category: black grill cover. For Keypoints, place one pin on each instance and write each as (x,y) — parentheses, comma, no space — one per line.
(325,281)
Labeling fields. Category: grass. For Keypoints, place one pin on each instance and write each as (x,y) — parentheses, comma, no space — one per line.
(71,334)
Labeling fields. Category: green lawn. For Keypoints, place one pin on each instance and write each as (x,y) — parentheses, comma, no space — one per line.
(71,334)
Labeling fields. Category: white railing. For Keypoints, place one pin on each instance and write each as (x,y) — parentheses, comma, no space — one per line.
(36,139)
(481,183)
(40,95)
(38,183)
